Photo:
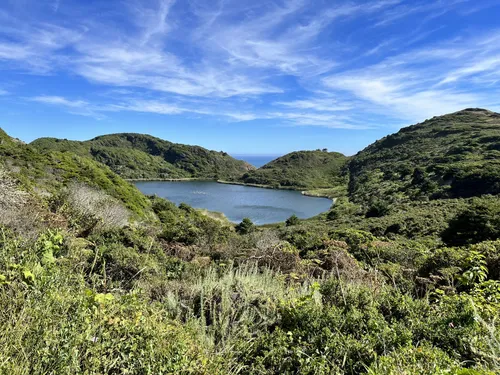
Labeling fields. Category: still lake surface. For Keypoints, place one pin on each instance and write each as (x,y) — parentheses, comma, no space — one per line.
(262,206)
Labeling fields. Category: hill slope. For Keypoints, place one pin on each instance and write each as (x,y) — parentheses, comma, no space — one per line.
(139,156)
(46,173)
(302,169)
(456,155)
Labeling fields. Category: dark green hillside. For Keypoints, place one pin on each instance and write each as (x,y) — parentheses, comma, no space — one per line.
(301,169)
(138,156)
(47,173)
(456,155)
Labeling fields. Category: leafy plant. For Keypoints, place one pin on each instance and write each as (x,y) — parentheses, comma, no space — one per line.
(246,226)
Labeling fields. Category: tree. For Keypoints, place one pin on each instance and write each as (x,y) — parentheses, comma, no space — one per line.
(479,222)
(246,226)
(378,209)
(292,220)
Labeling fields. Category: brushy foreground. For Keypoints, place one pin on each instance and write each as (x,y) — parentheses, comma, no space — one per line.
(129,300)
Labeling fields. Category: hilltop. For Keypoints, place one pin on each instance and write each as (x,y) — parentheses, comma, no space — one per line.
(301,169)
(140,156)
(451,156)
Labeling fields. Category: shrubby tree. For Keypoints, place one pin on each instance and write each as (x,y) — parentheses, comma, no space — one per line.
(246,226)
(292,220)
(378,209)
(479,222)
(89,209)
(186,207)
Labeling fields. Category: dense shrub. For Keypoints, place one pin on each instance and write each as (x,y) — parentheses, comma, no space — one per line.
(246,226)
(292,220)
(88,209)
(479,222)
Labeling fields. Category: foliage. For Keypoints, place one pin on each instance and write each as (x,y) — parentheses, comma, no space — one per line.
(480,221)
(88,209)
(377,209)
(302,169)
(455,155)
(292,220)
(246,226)
(114,282)
(139,156)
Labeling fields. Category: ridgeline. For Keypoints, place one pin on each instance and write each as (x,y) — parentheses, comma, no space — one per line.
(400,276)
(140,156)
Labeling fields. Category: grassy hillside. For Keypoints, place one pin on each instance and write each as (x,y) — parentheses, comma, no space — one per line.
(138,156)
(87,286)
(456,155)
(301,169)
(47,173)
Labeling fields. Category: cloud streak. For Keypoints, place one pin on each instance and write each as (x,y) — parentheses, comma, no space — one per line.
(291,62)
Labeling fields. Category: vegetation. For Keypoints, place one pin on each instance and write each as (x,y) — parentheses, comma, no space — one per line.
(139,156)
(302,169)
(450,156)
(246,226)
(96,278)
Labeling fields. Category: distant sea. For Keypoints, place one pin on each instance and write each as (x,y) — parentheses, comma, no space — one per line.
(256,160)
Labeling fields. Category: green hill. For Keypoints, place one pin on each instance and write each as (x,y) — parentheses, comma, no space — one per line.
(301,169)
(139,156)
(45,173)
(451,156)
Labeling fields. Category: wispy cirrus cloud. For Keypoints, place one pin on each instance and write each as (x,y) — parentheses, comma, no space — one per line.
(293,62)
(77,107)
(429,81)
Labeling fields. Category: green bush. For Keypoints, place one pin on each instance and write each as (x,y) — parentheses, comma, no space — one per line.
(479,222)
(246,226)
(292,220)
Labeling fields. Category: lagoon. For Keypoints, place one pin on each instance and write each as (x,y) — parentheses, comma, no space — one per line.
(262,206)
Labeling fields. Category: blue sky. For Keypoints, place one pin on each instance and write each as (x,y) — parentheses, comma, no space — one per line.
(244,76)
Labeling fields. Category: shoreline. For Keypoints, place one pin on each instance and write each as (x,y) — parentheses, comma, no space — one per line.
(168,179)
(314,193)
(309,193)
(257,185)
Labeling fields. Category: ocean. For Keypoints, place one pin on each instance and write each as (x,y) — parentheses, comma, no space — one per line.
(256,160)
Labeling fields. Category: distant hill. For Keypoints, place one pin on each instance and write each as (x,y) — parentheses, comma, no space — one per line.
(46,173)
(139,156)
(451,156)
(301,169)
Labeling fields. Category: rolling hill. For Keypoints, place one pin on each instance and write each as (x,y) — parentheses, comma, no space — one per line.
(89,265)
(451,156)
(301,169)
(139,156)
(44,174)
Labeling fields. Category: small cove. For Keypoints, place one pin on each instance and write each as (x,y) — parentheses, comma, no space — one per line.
(262,206)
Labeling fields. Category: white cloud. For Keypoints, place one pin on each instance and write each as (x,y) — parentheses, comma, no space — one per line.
(60,101)
(318,104)
(289,61)
(77,107)
(319,119)
(426,82)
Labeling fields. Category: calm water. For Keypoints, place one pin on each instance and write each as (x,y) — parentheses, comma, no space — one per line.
(262,206)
